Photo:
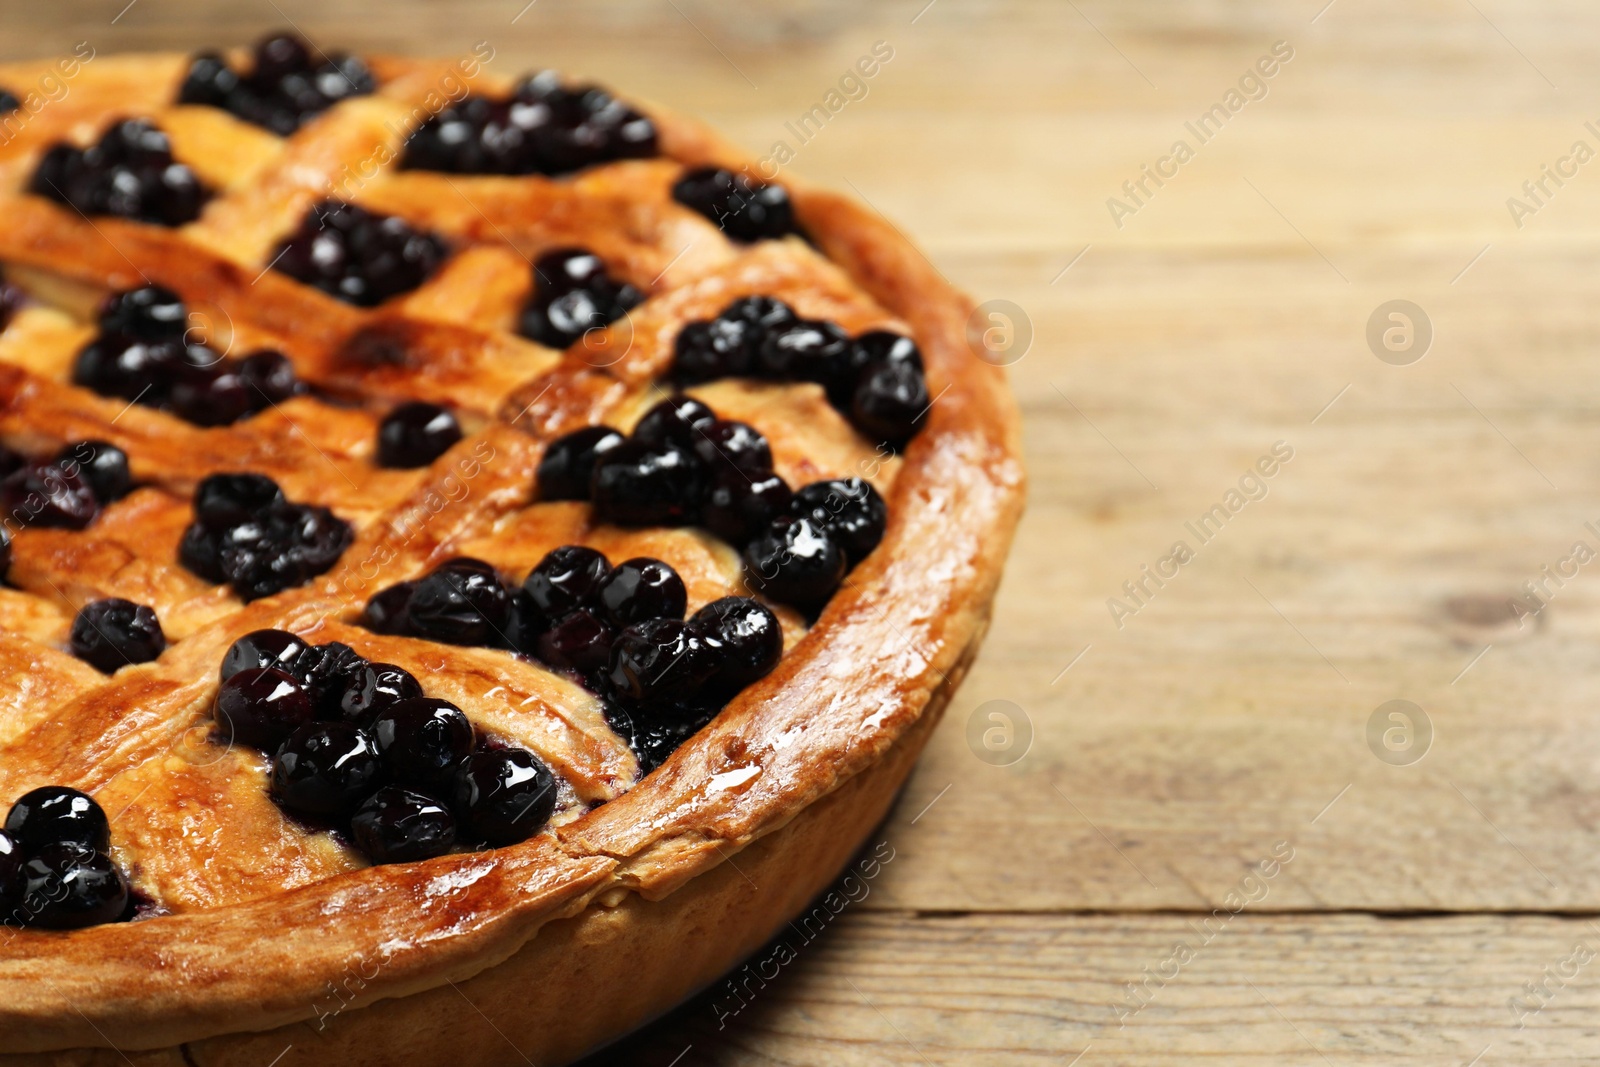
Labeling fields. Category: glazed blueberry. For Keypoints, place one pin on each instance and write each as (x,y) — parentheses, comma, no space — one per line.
(135,371)
(795,562)
(638,484)
(544,128)
(655,733)
(723,443)
(746,638)
(659,661)
(416,434)
(804,351)
(200,551)
(327,672)
(566,579)
(215,395)
(358,257)
(718,348)
(111,633)
(572,295)
(503,796)
(676,422)
(460,605)
(524,624)
(744,208)
(378,687)
(387,611)
(578,641)
(65,886)
(742,505)
(270,377)
(399,826)
(890,402)
(325,768)
(129,173)
(420,741)
(225,500)
(149,313)
(11,858)
(262,706)
(285,88)
(55,814)
(8,101)
(104,466)
(849,510)
(567,467)
(639,589)
(45,494)
(262,648)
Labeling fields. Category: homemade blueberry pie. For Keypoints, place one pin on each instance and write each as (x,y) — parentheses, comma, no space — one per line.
(475,564)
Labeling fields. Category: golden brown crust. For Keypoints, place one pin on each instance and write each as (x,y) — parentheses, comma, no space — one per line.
(848,692)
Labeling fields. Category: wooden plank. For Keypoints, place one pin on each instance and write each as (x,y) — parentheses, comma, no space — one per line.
(1016,990)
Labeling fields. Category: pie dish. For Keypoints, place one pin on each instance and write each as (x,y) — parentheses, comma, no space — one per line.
(315,344)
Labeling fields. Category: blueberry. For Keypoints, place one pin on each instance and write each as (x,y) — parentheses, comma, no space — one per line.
(358,257)
(890,402)
(66,887)
(225,500)
(150,313)
(325,768)
(676,422)
(659,661)
(216,395)
(270,377)
(639,484)
(111,633)
(567,466)
(742,505)
(764,314)
(460,605)
(746,637)
(262,648)
(281,55)
(45,494)
(503,796)
(327,672)
(209,81)
(804,351)
(262,706)
(718,348)
(104,466)
(53,814)
(399,826)
(387,611)
(795,562)
(420,741)
(880,346)
(849,510)
(12,300)
(579,641)
(639,589)
(572,295)
(524,624)
(129,173)
(566,579)
(200,550)
(416,434)
(8,101)
(744,208)
(724,444)
(378,687)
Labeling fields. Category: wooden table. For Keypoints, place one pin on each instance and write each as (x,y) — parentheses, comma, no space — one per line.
(1427,904)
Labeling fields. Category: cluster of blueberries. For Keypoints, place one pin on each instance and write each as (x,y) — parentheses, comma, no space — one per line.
(358,256)
(129,173)
(684,466)
(875,380)
(284,88)
(143,354)
(55,863)
(573,294)
(745,208)
(619,630)
(356,746)
(544,127)
(247,534)
(66,491)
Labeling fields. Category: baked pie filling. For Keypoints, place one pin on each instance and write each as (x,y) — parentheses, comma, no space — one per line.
(363,529)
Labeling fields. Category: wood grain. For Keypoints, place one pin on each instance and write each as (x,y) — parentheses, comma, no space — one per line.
(1227,314)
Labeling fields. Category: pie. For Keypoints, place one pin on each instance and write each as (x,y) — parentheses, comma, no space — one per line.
(479,555)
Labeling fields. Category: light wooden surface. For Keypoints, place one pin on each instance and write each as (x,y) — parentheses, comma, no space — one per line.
(1228,313)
